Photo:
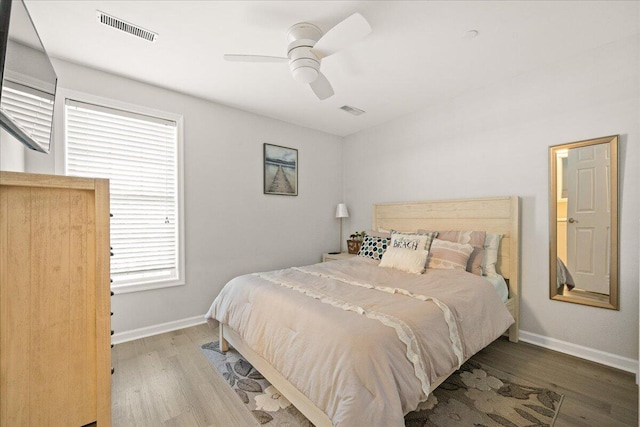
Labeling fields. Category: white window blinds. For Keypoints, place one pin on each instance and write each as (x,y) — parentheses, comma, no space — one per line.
(31,109)
(139,155)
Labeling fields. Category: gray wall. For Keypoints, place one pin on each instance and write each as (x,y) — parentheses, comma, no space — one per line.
(232,228)
(11,153)
(494,142)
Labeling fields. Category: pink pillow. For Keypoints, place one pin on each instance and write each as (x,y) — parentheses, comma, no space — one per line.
(473,238)
(449,255)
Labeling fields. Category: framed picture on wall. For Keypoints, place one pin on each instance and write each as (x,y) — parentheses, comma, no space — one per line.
(280,170)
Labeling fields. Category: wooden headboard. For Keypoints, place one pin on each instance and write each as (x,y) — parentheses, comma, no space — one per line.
(493,215)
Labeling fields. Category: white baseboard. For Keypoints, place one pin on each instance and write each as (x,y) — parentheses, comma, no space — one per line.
(161,328)
(602,357)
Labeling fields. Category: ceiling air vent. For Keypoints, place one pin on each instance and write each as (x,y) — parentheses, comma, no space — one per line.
(352,110)
(125,26)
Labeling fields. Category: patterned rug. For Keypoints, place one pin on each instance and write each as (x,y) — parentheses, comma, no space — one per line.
(474,396)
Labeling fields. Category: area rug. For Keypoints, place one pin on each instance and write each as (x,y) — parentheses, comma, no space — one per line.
(476,396)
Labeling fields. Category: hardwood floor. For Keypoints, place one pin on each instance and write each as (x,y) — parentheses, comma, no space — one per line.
(165,380)
(594,395)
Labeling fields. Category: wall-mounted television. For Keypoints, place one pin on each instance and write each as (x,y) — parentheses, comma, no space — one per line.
(29,81)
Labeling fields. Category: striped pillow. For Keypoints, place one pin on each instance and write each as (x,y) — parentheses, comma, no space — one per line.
(475,239)
(449,255)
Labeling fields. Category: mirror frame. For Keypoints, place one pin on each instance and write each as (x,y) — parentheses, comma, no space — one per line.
(613,303)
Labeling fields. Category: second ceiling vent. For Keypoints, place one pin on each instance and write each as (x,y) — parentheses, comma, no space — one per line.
(352,110)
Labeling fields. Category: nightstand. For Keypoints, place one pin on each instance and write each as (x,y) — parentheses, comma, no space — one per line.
(332,257)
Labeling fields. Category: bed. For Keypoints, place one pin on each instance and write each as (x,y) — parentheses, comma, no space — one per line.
(564,277)
(344,357)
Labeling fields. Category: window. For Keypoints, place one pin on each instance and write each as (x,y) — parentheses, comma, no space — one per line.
(139,155)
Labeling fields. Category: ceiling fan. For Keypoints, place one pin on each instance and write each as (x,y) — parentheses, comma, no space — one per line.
(308,46)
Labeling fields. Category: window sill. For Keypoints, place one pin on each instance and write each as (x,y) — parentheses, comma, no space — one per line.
(140,287)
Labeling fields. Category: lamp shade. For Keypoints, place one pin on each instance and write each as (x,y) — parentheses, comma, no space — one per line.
(342,211)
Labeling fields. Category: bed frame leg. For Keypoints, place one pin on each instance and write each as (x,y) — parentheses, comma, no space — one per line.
(514,333)
(224,345)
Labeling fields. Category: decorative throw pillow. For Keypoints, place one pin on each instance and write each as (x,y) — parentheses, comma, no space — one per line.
(449,255)
(475,239)
(373,247)
(408,260)
(491,245)
(374,233)
(413,241)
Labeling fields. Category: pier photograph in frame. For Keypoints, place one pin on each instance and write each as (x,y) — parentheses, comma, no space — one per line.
(280,170)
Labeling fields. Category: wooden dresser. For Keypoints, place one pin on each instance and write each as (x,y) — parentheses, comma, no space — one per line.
(55,355)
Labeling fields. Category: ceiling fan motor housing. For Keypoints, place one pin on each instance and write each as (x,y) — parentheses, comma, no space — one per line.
(304,65)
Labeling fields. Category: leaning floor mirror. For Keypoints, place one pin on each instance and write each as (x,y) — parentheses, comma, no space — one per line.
(583,252)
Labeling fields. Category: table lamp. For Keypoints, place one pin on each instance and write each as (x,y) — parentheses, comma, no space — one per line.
(341,212)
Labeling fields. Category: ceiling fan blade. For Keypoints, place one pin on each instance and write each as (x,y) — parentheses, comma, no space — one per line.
(349,31)
(254,58)
(321,87)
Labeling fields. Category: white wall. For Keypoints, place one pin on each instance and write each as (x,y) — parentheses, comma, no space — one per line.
(494,142)
(232,228)
(11,153)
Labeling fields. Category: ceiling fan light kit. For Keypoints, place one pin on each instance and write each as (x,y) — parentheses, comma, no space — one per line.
(304,74)
(308,46)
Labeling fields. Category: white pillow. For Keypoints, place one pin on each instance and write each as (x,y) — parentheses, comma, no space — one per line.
(449,255)
(413,241)
(491,245)
(405,260)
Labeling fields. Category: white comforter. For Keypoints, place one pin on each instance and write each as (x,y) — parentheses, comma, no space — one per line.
(362,342)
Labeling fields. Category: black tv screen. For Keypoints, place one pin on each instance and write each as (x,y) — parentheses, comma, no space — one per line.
(29,81)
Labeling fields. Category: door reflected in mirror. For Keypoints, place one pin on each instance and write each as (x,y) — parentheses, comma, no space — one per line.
(584,222)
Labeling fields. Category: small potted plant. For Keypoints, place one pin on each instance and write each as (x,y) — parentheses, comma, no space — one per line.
(355,241)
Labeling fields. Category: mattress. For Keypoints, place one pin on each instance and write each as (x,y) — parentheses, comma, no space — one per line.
(500,286)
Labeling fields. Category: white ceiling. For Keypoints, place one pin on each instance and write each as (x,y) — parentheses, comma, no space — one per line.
(416,55)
